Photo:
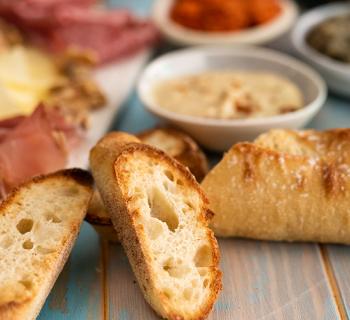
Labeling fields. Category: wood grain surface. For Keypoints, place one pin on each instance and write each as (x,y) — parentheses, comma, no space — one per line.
(78,293)
(261,281)
(264,280)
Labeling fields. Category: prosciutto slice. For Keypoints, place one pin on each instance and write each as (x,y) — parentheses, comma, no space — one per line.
(33,145)
(106,42)
(61,24)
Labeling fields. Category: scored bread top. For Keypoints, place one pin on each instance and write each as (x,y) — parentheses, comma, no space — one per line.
(333,144)
(38,221)
(329,144)
(328,151)
(160,214)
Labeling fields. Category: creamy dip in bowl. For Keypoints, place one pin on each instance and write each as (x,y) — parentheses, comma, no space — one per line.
(229,95)
(219,132)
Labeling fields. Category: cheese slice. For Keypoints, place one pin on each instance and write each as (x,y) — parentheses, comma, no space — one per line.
(26,75)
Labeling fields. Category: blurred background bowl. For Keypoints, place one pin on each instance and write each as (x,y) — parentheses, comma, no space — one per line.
(261,34)
(336,74)
(218,134)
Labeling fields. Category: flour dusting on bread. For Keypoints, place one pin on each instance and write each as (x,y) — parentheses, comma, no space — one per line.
(287,185)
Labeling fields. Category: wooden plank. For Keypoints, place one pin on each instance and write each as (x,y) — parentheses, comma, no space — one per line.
(335,114)
(124,296)
(265,280)
(339,258)
(78,293)
(261,281)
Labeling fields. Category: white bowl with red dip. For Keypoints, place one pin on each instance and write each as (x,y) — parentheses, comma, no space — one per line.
(261,33)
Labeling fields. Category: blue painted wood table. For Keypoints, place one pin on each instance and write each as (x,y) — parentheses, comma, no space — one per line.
(262,280)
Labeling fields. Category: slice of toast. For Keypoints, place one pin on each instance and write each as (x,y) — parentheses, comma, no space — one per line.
(160,215)
(173,142)
(288,185)
(100,219)
(40,221)
(179,146)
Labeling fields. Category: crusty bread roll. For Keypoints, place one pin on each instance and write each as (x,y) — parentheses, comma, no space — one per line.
(39,223)
(160,215)
(288,185)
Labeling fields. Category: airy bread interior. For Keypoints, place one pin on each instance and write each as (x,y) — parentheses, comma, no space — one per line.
(35,225)
(178,245)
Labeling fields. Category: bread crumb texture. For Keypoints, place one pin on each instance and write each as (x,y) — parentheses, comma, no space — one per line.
(36,222)
(169,212)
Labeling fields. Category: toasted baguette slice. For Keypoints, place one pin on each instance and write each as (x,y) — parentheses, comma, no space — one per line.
(179,146)
(97,214)
(39,223)
(173,142)
(100,219)
(160,215)
(288,185)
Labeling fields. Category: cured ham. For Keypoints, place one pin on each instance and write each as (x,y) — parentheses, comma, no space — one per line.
(62,24)
(94,38)
(34,145)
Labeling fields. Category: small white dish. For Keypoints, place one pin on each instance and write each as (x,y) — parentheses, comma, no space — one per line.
(218,134)
(257,35)
(336,74)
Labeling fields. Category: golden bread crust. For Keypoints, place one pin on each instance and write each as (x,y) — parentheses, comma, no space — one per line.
(109,159)
(23,301)
(185,150)
(288,185)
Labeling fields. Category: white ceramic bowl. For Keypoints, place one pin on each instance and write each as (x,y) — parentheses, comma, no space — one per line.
(217,134)
(336,74)
(258,35)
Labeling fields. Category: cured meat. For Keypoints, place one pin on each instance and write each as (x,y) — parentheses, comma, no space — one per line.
(116,19)
(33,145)
(8,124)
(108,43)
(36,13)
(61,24)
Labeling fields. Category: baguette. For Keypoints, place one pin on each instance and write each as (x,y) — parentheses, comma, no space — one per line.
(100,219)
(160,215)
(40,221)
(288,185)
